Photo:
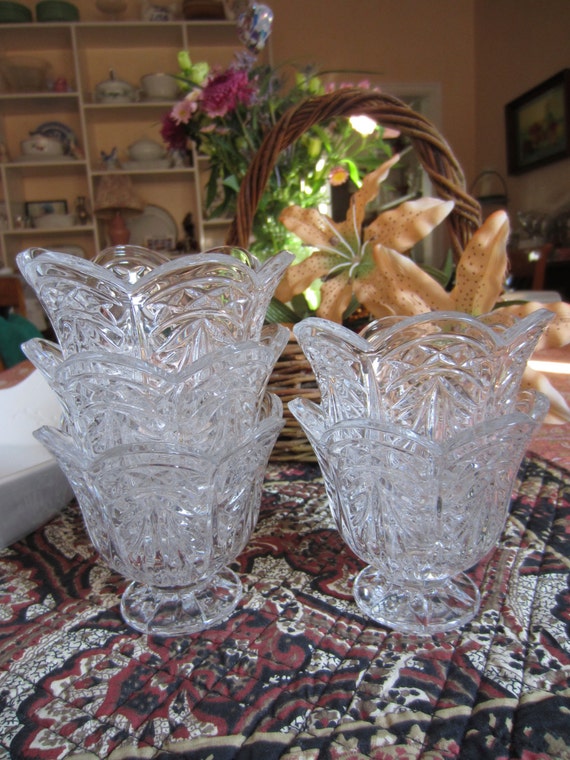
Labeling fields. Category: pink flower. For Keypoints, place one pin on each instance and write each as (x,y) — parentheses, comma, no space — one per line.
(338,176)
(224,91)
(183,110)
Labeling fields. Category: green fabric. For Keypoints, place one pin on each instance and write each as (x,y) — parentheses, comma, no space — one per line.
(15,330)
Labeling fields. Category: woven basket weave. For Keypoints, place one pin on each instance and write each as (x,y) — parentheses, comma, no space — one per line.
(293,376)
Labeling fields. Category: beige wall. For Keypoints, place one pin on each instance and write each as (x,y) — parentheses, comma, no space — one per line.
(406,40)
(482,52)
(519,43)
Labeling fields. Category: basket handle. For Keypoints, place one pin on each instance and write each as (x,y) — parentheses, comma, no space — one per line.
(434,154)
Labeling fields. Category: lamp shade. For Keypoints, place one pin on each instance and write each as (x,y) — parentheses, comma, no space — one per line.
(114,199)
(115,193)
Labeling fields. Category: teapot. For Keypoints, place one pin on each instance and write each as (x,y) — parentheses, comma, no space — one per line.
(146,149)
(114,90)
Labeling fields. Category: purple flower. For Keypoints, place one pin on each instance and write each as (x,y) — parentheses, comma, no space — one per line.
(173,133)
(224,91)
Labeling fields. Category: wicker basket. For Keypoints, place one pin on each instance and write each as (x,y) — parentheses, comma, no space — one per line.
(293,376)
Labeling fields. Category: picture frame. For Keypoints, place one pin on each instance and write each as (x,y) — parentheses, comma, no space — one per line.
(33,209)
(538,125)
(166,244)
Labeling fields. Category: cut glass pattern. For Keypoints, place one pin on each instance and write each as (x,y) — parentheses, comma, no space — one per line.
(170,314)
(419,435)
(110,400)
(436,375)
(161,368)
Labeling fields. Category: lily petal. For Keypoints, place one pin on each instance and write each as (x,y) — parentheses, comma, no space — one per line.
(335,298)
(558,331)
(404,287)
(482,267)
(372,297)
(369,189)
(311,226)
(297,278)
(402,227)
(559,412)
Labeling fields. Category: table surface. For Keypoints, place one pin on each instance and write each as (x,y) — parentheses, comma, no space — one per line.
(297,671)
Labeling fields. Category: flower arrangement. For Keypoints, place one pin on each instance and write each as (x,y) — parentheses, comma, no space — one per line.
(371,263)
(350,263)
(227,112)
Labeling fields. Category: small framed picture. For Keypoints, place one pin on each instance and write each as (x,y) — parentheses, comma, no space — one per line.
(34,209)
(160,243)
(538,125)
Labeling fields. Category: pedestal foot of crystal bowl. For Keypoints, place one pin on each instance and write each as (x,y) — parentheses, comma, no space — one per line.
(180,611)
(432,609)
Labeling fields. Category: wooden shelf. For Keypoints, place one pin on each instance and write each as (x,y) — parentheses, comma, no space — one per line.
(83,53)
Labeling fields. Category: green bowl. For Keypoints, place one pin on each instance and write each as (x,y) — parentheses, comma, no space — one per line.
(14,13)
(56,10)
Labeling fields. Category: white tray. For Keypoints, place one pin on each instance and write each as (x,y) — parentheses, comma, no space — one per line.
(32,486)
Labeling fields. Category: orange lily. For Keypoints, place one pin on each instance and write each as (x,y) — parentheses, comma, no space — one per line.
(385,281)
(344,255)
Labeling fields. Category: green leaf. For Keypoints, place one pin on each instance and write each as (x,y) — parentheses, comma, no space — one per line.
(449,265)
(212,187)
(279,312)
(300,306)
(232,183)
(353,171)
(513,302)
(443,276)
(437,274)
(351,308)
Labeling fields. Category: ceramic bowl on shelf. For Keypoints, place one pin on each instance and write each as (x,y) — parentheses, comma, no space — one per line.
(114,90)
(56,10)
(145,150)
(112,8)
(14,13)
(42,146)
(159,86)
(57,130)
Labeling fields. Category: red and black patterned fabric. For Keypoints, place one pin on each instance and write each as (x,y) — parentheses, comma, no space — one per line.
(296,672)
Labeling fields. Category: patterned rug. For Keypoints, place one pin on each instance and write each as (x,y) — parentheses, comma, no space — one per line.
(297,671)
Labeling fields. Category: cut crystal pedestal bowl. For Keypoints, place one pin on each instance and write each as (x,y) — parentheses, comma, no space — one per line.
(161,368)
(419,435)
(134,301)
(110,400)
(171,518)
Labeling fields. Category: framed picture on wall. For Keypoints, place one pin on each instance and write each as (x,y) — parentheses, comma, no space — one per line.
(538,125)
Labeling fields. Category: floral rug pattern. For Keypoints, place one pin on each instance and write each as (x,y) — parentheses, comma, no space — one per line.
(296,672)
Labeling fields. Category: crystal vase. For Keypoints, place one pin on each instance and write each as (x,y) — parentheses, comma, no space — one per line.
(419,435)
(161,369)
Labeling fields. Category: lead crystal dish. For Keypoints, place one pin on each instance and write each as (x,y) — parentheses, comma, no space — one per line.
(170,519)
(110,400)
(133,301)
(161,371)
(419,436)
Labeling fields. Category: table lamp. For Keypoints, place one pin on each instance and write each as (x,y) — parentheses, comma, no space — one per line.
(114,199)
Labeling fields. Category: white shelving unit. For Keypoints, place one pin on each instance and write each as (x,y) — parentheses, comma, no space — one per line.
(84,52)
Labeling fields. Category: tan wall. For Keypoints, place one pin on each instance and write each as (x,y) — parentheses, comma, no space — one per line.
(482,52)
(408,41)
(519,43)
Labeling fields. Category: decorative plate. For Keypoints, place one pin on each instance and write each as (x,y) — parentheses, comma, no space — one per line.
(59,131)
(154,228)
